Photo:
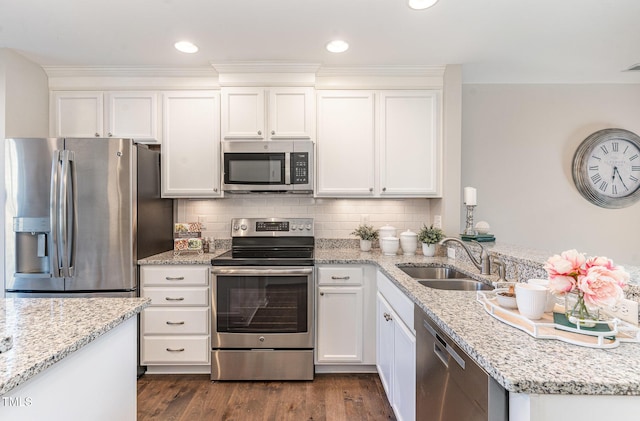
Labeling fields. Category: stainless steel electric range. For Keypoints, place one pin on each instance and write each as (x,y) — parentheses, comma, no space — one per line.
(262,301)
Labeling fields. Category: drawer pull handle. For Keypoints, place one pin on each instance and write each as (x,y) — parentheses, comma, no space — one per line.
(175,350)
(175,323)
(174,278)
(174,299)
(341,278)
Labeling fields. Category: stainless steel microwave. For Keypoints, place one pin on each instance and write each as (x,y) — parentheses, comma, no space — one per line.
(268,166)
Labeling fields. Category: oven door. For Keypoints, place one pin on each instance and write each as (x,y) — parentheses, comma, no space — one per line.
(262,307)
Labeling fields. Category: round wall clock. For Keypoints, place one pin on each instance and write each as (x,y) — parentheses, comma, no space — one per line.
(606,168)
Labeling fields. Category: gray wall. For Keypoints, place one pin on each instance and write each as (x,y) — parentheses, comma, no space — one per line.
(518,142)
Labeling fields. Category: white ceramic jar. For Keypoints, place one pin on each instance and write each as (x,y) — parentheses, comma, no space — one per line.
(387,231)
(409,242)
(389,245)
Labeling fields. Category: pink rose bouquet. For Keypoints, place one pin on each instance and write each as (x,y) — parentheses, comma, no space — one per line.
(596,280)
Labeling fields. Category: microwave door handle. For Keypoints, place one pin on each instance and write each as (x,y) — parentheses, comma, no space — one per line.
(287,168)
(54,211)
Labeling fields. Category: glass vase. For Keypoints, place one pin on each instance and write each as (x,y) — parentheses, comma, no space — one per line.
(578,311)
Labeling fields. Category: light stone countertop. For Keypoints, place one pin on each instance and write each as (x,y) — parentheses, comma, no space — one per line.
(519,362)
(46,330)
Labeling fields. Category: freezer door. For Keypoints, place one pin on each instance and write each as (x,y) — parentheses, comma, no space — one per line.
(28,242)
(106,184)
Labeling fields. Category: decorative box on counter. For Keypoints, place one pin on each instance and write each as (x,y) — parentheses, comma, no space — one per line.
(186,237)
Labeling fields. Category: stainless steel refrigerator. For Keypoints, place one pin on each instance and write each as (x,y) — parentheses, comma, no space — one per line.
(78,215)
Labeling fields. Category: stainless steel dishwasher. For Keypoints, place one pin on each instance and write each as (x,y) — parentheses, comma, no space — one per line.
(450,386)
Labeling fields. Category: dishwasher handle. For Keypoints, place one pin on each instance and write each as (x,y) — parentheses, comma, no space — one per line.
(438,350)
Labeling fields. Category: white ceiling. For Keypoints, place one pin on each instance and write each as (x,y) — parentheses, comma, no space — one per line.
(496,41)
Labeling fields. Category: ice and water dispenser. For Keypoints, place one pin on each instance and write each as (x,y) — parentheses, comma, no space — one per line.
(32,254)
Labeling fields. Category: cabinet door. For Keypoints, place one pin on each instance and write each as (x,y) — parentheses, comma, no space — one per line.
(291,113)
(385,345)
(132,115)
(340,324)
(410,146)
(243,111)
(345,144)
(77,114)
(191,144)
(404,372)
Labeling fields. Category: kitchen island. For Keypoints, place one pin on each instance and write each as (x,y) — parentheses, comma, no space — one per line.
(71,358)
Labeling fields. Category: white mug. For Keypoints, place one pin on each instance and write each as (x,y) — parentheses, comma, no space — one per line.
(531,300)
(551,299)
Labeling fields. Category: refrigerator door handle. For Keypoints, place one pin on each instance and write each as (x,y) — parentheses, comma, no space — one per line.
(74,213)
(68,214)
(54,212)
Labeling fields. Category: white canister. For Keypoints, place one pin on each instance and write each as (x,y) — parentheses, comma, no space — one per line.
(387,231)
(409,242)
(389,245)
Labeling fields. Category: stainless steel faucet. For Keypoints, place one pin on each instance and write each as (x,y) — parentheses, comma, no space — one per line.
(483,264)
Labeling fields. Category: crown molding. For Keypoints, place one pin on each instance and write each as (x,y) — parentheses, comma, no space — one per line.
(383,71)
(265,67)
(127,71)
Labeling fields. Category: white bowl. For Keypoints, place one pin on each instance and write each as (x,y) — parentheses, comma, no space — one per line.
(505,300)
(389,245)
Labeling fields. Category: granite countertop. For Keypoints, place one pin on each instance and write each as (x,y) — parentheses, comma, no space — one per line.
(46,330)
(519,362)
(184,258)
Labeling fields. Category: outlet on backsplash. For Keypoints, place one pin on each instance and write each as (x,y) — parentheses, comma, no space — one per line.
(451,252)
(626,310)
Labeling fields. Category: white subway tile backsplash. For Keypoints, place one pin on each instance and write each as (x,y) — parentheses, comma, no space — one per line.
(334,218)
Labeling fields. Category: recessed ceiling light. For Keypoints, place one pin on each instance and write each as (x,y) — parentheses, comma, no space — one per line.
(337,46)
(186,47)
(421,4)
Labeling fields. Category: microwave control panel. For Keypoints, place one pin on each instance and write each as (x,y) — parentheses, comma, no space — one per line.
(300,168)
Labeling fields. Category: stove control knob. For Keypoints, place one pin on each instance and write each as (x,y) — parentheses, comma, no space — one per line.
(243,227)
(293,227)
(236,228)
(261,338)
(301,227)
(308,227)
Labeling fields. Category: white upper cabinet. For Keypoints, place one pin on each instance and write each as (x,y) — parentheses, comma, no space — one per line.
(191,147)
(267,113)
(123,114)
(409,135)
(345,144)
(379,143)
(77,114)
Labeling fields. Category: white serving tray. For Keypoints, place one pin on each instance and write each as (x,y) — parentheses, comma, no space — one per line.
(545,328)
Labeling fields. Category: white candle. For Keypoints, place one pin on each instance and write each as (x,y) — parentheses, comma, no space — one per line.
(470,196)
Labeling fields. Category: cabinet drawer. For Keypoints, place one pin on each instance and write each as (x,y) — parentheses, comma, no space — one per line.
(192,321)
(175,350)
(198,296)
(174,275)
(338,275)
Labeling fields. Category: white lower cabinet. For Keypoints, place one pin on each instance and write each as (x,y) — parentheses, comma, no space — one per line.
(174,330)
(345,328)
(396,348)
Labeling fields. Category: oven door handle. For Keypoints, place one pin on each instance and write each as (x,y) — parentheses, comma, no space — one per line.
(256,271)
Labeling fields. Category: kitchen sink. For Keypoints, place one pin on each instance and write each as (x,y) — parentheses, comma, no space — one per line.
(433,272)
(441,277)
(455,284)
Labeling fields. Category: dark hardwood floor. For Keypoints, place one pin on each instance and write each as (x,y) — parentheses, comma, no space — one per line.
(330,397)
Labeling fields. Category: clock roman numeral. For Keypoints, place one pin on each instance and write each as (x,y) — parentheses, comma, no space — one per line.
(614,146)
(614,189)
(603,186)
(604,149)
(635,168)
(632,178)
(596,157)
(593,167)
(596,178)
(633,157)
(625,150)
